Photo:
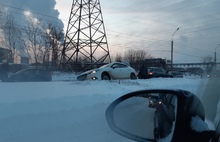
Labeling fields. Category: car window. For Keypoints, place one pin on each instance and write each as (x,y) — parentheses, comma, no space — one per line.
(38,72)
(158,70)
(28,72)
(150,70)
(107,65)
(164,71)
(117,65)
(122,66)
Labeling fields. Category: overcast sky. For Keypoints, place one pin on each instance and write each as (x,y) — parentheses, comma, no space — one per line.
(145,24)
(150,24)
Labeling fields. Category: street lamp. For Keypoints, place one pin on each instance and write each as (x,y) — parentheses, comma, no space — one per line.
(215,55)
(172,48)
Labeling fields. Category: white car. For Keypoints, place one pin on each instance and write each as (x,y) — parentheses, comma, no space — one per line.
(115,70)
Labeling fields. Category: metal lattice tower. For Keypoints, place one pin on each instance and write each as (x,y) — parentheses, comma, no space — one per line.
(85,39)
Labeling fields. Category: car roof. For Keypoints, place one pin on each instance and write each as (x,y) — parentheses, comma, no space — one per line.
(22,70)
(118,63)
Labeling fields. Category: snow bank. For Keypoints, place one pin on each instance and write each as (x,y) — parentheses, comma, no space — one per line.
(68,110)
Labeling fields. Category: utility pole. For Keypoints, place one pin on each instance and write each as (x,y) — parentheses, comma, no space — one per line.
(172,48)
(85,39)
(215,59)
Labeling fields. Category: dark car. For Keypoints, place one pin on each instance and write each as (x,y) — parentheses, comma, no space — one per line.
(154,72)
(154,101)
(31,74)
(176,74)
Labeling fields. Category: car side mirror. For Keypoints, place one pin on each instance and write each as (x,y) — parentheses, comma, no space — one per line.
(153,115)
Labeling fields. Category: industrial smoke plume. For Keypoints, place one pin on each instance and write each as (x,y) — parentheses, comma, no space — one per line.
(40,9)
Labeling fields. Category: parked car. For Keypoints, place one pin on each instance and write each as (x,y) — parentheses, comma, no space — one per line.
(154,72)
(214,74)
(115,70)
(31,74)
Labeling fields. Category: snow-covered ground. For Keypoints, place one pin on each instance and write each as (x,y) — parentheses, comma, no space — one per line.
(66,110)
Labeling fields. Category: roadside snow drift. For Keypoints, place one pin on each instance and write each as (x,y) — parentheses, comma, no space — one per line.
(69,110)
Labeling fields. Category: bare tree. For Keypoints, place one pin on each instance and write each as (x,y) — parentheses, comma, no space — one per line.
(54,38)
(118,57)
(209,61)
(12,35)
(34,47)
(142,55)
(2,15)
(40,43)
(136,55)
(148,56)
(130,56)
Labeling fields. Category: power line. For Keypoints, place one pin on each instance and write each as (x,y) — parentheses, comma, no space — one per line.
(187,54)
(164,8)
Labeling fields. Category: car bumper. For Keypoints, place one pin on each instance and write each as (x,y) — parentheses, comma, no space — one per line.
(82,77)
(159,76)
(87,77)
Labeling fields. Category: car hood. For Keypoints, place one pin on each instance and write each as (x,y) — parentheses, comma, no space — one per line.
(87,72)
(12,75)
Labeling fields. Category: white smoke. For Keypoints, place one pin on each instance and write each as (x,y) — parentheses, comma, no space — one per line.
(40,13)
(43,10)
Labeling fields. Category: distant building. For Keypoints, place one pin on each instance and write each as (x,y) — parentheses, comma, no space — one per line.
(154,62)
(6,54)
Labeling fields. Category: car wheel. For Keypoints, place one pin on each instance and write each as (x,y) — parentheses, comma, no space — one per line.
(132,76)
(105,76)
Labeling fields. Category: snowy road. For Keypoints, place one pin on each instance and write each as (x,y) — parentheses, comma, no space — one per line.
(68,111)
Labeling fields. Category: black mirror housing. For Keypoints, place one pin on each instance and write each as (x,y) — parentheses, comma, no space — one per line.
(175,108)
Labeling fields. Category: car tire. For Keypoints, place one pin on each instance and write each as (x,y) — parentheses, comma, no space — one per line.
(133,76)
(105,76)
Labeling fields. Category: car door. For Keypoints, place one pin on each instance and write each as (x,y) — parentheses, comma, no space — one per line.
(159,72)
(116,71)
(40,75)
(27,75)
(125,71)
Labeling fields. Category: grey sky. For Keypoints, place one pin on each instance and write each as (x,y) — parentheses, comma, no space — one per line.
(148,24)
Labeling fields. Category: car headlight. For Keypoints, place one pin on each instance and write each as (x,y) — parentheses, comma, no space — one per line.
(93,72)
(160,102)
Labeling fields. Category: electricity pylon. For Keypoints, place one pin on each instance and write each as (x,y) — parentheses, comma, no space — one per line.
(85,39)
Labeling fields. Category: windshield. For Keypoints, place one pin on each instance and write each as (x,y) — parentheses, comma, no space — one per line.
(107,65)
(71,38)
